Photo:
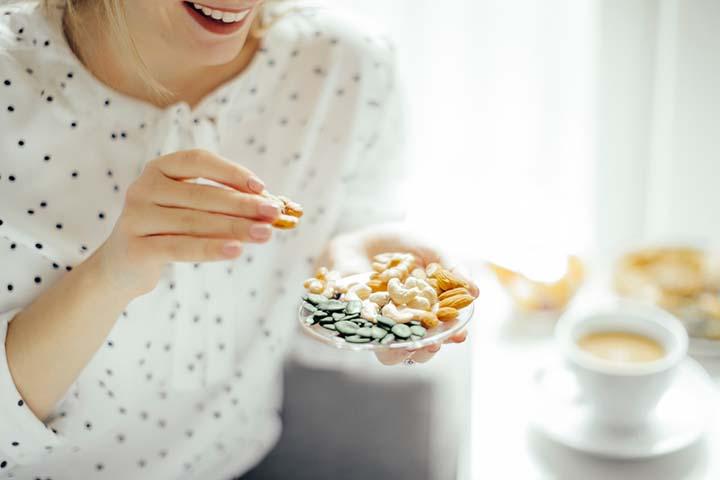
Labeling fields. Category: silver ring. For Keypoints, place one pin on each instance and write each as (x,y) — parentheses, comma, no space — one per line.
(409,362)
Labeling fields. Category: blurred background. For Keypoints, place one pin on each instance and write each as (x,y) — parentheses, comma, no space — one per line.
(537,129)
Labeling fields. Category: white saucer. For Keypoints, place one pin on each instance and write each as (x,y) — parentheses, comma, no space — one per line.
(680,418)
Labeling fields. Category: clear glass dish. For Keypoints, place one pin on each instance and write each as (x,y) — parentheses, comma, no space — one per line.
(435,335)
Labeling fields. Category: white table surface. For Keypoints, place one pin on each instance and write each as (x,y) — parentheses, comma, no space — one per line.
(507,349)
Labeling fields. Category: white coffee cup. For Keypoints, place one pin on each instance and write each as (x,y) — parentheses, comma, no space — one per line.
(622,394)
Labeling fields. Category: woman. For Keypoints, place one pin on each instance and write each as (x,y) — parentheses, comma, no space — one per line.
(144,316)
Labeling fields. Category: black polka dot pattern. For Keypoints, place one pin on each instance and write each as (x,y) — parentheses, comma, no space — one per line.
(167,389)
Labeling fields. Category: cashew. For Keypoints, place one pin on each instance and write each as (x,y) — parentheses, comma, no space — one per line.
(405,314)
(419,273)
(391,311)
(426,290)
(393,265)
(419,303)
(370,311)
(313,285)
(359,291)
(324,283)
(399,294)
(380,298)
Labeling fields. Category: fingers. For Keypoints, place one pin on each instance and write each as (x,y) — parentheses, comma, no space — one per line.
(391,357)
(394,357)
(201,163)
(458,337)
(426,354)
(171,193)
(181,248)
(178,221)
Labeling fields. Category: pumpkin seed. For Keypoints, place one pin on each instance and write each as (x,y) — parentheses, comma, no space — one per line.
(315,299)
(364,332)
(332,306)
(418,330)
(309,307)
(353,307)
(378,332)
(338,316)
(401,330)
(387,339)
(414,322)
(357,339)
(329,326)
(346,328)
(385,321)
(415,338)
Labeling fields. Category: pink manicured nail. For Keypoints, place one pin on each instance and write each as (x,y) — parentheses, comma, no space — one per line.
(260,231)
(269,210)
(255,184)
(232,249)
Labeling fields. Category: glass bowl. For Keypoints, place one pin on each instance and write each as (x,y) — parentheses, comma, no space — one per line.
(435,335)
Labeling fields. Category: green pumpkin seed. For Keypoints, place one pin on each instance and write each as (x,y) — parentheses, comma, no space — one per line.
(310,320)
(319,314)
(353,307)
(329,326)
(351,316)
(401,330)
(387,339)
(309,307)
(332,306)
(384,321)
(414,322)
(418,330)
(364,332)
(378,332)
(415,338)
(346,328)
(357,339)
(315,299)
(338,316)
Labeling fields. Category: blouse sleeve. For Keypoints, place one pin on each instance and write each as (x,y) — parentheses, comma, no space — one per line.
(23,436)
(374,186)
(26,267)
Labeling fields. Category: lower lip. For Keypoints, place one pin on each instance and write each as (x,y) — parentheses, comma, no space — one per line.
(211,25)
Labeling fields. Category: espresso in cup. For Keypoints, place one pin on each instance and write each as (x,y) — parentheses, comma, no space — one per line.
(624,356)
(621,347)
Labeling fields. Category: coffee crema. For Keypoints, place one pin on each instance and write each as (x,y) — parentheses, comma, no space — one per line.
(622,347)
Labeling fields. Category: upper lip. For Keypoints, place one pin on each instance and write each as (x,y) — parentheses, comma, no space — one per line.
(225,9)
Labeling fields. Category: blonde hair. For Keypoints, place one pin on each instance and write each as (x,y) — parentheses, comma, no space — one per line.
(112,14)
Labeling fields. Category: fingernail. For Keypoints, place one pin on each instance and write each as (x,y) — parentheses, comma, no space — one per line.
(255,184)
(232,249)
(269,210)
(434,348)
(260,231)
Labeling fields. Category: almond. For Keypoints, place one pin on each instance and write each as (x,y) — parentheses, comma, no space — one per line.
(428,319)
(453,292)
(446,314)
(377,285)
(432,269)
(448,280)
(285,222)
(457,301)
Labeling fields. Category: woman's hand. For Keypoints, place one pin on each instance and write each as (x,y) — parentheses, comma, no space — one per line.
(352,253)
(166,218)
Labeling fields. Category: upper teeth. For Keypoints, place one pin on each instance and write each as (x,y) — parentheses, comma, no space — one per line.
(226,17)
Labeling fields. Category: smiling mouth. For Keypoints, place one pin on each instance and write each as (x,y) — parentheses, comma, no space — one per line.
(223,16)
(217,21)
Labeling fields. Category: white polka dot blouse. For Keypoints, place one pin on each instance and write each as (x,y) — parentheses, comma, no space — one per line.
(187,384)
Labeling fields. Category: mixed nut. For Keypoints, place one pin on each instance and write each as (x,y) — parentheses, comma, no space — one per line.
(400,301)
(290,212)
